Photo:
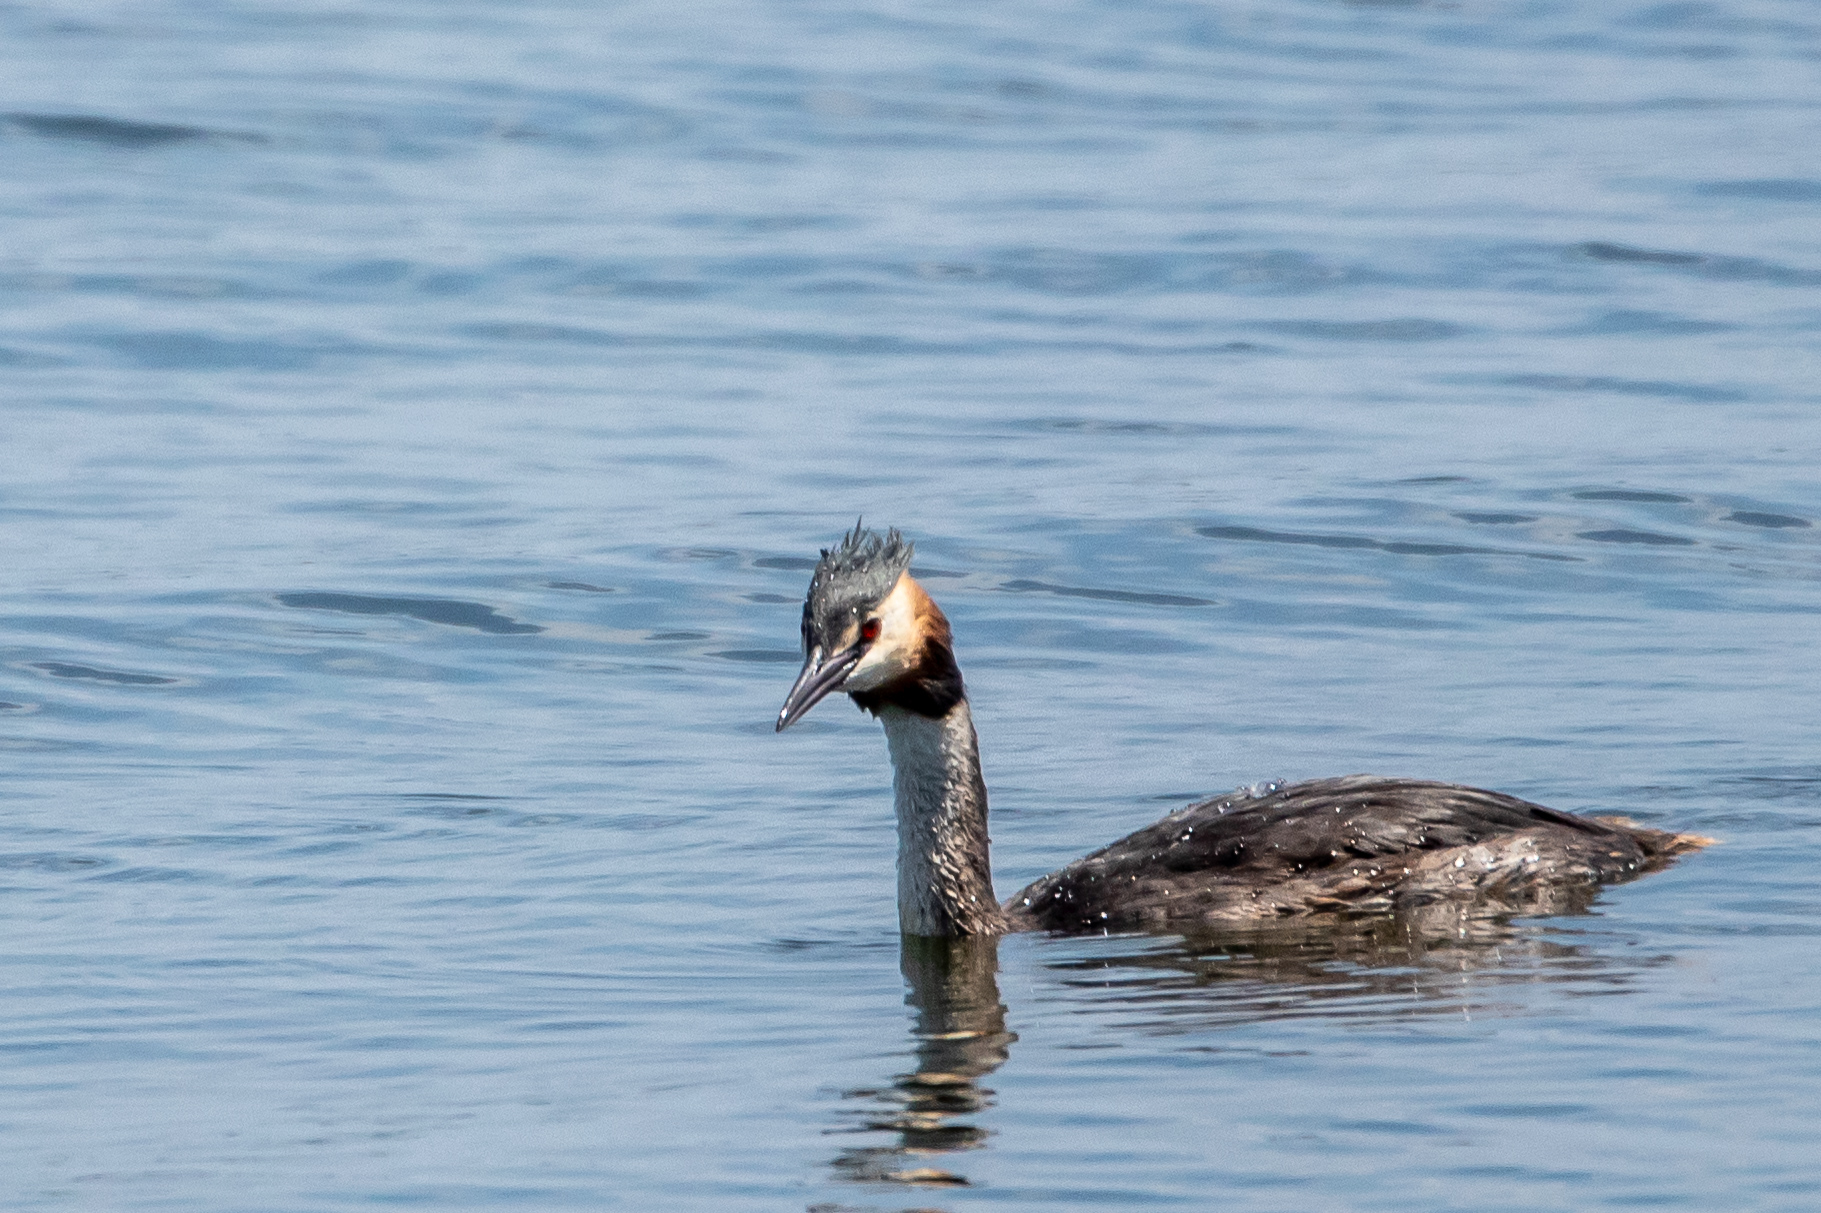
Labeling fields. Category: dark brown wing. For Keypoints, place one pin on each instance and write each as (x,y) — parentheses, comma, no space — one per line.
(1359,842)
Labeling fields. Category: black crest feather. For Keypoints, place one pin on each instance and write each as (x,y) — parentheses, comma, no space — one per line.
(861,569)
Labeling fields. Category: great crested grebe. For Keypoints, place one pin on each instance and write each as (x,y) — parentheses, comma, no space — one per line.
(1359,843)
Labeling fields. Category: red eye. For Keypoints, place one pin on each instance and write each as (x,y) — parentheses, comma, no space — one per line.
(869,630)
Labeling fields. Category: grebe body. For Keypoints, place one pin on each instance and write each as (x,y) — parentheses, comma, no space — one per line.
(1359,844)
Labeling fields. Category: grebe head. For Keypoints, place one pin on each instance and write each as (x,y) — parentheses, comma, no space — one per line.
(862,621)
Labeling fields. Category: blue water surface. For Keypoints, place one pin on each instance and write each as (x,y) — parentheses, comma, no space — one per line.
(420,419)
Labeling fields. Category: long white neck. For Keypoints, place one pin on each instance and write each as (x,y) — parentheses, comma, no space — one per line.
(945,876)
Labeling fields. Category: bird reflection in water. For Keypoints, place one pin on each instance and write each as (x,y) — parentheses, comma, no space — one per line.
(1446,959)
(960,1037)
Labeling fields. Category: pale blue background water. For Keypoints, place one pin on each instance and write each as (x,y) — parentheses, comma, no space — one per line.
(417,417)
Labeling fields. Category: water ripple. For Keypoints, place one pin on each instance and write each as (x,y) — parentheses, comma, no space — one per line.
(479,616)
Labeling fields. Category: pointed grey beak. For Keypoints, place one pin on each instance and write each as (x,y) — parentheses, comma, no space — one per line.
(817,679)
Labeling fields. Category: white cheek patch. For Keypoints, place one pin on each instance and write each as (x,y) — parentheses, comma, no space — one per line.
(890,656)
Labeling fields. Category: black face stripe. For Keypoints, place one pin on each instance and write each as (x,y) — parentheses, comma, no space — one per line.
(833,625)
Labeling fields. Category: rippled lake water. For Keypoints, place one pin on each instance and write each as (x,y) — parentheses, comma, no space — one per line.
(420,419)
